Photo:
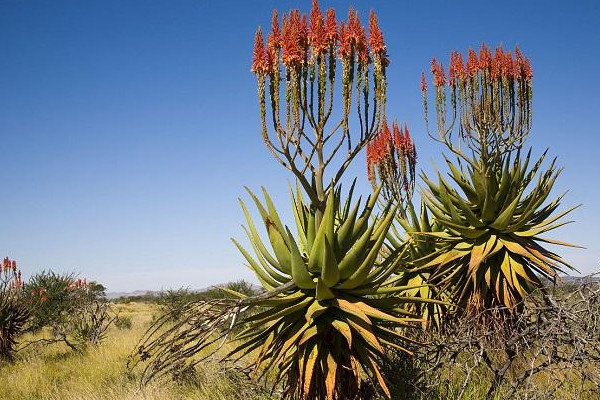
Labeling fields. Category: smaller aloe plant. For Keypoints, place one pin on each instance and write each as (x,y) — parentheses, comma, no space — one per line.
(13,312)
(418,246)
(493,210)
(391,164)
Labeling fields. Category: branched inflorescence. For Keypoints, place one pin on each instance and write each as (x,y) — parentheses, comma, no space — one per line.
(296,72)
(490,100)
(391,162)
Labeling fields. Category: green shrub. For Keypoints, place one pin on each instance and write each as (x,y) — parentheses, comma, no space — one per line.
(77,311)
(123,322)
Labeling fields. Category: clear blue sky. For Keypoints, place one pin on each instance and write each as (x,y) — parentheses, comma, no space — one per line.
(128,128)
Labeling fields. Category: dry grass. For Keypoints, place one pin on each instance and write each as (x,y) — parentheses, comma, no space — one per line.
(57,373)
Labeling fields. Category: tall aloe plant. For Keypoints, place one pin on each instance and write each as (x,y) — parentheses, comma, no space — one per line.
(494,207)
(331,306)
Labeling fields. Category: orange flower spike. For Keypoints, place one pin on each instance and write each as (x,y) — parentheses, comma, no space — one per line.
(345,45)
(459,66)
(303,32)
(497,63)
(331,32)
(259,65)
(527,71)
(439,76)
(275,30)
(375,35)
(521,66)
(14,266)
(508,65)
(271,55)
(385,132)
(316,34)
(355,35)
(398,138)
(292,39)
(353,24)
(472,63)
(452,70)
(485,57)
(361,46)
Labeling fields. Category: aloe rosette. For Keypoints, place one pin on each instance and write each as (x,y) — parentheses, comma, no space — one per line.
(340,309)
(493,252)
(411,235)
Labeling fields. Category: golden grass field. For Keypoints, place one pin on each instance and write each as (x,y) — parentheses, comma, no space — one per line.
(57,373)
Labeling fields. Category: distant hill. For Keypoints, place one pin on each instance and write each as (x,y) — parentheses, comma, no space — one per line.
(118,295)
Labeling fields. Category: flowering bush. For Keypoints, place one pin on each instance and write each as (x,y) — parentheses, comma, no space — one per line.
(75,310)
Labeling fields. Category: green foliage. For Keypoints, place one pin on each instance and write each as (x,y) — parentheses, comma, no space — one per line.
(13,312)
(337,310)
(123,322)
(493,217)
(53,288)
(415,247)
(13,317)
(76,311)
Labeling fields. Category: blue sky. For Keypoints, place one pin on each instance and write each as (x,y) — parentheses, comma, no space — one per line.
(128,128)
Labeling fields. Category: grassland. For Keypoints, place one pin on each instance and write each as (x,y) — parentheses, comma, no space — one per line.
(100,373)
(57,373)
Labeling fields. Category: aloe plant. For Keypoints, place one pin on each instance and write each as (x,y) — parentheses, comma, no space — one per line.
(494,207)
(331,325)
(412,236)
(331,305)
(391,164)
(14,313)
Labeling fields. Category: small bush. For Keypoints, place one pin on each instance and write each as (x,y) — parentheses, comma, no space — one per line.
(77,311)
(50,297)
(123,322)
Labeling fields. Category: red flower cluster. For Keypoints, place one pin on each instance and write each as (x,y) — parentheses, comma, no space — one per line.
(456,71)
(439,76)
(380,149)
(78,284)
(8,265)
(316,34)
(294,38)
(331,32)
(40,293)
(501,64)
(387,151)
(353,35)
(472,63)
(404,143)
(320,34)
(259,57)
(12,274)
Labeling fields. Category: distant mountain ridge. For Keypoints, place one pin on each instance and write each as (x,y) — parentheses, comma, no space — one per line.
(566,279)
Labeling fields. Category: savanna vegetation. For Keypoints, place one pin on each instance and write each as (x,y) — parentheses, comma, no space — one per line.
(450,293)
